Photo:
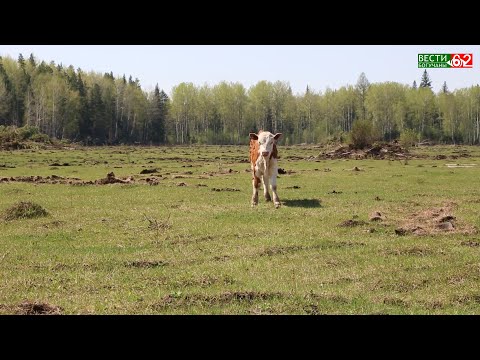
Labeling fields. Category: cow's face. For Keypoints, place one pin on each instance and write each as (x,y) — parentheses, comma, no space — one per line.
(266,140)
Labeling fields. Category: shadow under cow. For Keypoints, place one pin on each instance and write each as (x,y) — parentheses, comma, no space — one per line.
(306,203)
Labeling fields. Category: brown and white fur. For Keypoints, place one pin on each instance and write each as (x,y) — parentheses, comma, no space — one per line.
(263,160)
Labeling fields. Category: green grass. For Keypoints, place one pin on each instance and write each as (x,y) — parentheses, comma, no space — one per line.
(169,249)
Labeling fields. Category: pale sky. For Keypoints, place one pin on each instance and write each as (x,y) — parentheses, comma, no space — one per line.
(318,66)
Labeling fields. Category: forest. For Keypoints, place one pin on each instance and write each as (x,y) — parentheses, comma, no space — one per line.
(106,109)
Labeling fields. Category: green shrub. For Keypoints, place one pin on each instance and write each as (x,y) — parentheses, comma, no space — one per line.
(408,138)
(362,135)
(27,132)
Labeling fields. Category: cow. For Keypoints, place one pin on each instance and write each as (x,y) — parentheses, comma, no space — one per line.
(263,161)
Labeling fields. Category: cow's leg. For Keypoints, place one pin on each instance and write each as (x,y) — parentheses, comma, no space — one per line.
(265,188)
(256,184)
(276,200)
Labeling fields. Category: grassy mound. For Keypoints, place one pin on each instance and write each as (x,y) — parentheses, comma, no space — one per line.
(24,210)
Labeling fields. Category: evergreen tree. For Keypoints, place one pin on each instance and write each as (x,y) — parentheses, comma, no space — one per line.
(414,86)
(21,61)
(158,114)
(425,82)
(444,87)
(31,59)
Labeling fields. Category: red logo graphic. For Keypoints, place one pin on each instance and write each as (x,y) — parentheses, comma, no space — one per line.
(461,61)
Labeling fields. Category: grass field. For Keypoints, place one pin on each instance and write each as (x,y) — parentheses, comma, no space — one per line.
(187,240)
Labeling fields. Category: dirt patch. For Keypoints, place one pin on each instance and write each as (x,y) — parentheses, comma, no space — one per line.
(280,250)
(352,223)
(24,210)
(58,164)
(202,281)
(413,251)
(356,168)
(335,192)
(466,299)
(395,301)
(111,179)
(339,299)
(306,203)
(284,172)
(177,301)
(221,172)
(434,221)
(377,216)
(221,258)
(471,243)
(378,151)
(145,263)
(225,189)
(54,224)
(148,171)
(37,308)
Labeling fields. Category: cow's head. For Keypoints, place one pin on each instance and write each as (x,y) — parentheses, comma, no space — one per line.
(266,140)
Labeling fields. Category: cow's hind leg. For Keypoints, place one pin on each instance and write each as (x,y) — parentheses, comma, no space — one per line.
(265,188)
(256,184)
(276,199)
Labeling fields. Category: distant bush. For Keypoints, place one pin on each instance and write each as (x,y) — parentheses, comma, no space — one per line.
(27,132)
(408,138)
(18,135)
(362,135)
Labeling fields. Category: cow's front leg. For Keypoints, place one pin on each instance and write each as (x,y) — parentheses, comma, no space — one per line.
(256,184)
(276,199)
(265,188)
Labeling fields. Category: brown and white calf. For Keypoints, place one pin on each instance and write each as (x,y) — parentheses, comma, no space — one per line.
(263,160)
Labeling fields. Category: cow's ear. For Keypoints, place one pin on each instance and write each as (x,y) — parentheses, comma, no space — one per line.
(253,136)
(277,136)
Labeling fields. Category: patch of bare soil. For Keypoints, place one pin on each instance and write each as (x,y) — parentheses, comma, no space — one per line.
(225,189)
(377,216)
(176,301)
(55,179)
(471,243)
(37,308)
(111,179)
(221,172)
(413,251)
(434,221)
(283,171)
(54,224)
(24,210)
(148,171)
(335,192)
(352,223)
(280,250)
(378,151)
(146,263)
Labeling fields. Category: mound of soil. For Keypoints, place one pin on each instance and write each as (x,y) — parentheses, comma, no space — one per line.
(24,210)
(377,151)
(434,221)
(111,179)
(37,308)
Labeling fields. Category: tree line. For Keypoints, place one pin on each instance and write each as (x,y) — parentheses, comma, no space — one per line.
(68,103)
